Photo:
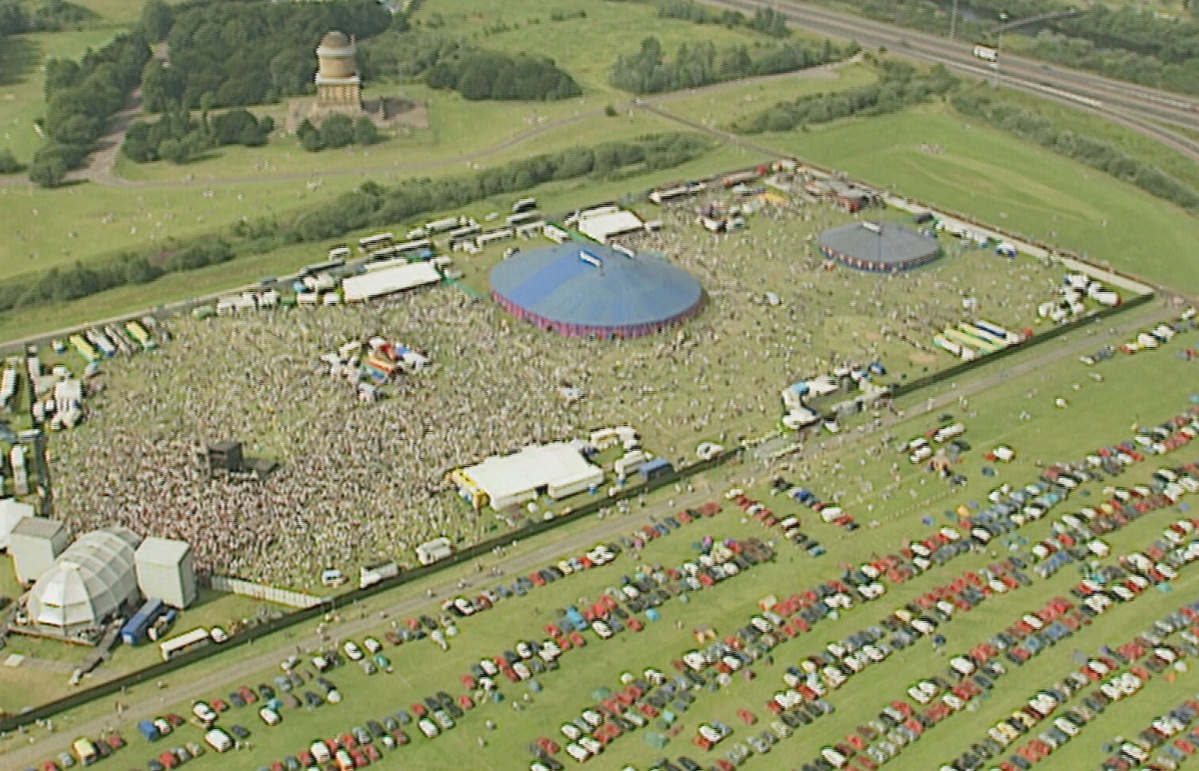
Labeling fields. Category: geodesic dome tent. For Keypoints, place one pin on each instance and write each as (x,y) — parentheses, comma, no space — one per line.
(88,584)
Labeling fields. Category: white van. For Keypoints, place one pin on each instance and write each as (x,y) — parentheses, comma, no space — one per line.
(320,752)
(219,740)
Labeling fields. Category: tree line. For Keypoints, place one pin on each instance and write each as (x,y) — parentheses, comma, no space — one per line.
(650,71)
(51,16)
(483,74)
(370,205)
(80,280)
(179,137)
(768,21)
(1095,153)
(235,53)
(81,98)
(898,86)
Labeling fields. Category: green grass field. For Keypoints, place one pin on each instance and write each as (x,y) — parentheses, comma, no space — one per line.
(934,155)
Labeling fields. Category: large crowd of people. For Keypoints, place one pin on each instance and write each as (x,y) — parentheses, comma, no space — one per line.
(359,481)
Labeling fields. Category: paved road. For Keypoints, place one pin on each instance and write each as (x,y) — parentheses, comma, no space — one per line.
(149,702)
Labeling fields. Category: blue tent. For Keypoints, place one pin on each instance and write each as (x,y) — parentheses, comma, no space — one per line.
(653,615)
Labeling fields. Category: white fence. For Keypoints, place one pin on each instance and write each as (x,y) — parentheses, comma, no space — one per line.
(263,592)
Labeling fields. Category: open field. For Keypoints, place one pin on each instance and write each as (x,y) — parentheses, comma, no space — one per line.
(933,155)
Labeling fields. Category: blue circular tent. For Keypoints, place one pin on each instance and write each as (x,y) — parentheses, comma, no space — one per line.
(592,290)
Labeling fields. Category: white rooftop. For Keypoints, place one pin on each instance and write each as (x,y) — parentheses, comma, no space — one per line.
(605,224)
(389,280)
(11,512)
(556,463)
(162,551)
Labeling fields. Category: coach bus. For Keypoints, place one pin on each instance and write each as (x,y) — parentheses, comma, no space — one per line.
(188,641)
(523,205)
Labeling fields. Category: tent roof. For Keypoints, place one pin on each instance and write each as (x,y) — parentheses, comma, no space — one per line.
(389,280)
(882,242)
(595,285)
(528,469)
(88,583)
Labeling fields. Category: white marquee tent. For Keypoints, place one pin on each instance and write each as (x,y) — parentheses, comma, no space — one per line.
(88,584)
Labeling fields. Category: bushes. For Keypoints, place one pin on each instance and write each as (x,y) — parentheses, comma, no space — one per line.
(493,75)
(768,21)
(9,163)
(898,87)
(337,131)
(650,71)
(179,138)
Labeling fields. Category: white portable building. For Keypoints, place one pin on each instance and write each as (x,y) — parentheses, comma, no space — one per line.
(34,543)
(165,571)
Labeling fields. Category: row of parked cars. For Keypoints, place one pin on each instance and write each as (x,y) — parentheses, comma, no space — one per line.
(643,699)
(1062,710)
(83,752)
(790,526)
(1015,641)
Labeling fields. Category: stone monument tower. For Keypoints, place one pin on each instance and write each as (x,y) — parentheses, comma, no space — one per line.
(338,87)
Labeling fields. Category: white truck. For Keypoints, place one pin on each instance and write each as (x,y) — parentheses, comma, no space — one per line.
(986,53)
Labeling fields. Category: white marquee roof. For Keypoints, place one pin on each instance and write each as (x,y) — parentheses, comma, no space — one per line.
(389,280)
(88,583)
(512,476)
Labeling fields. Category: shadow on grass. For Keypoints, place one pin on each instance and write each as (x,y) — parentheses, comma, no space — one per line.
(19,58)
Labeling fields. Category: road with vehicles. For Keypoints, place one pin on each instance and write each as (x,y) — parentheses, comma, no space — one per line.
(1149,111)
(204,680)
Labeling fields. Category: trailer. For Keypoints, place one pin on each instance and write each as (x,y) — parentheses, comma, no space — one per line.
(85,349)
(652,469)
(947,345)
(524,204)
(369,575)
(435,550)
(442,225)
(139,333)
(102,343)
(960,337)
(1011,338)
(978,332)
(378,241)
(134,630)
